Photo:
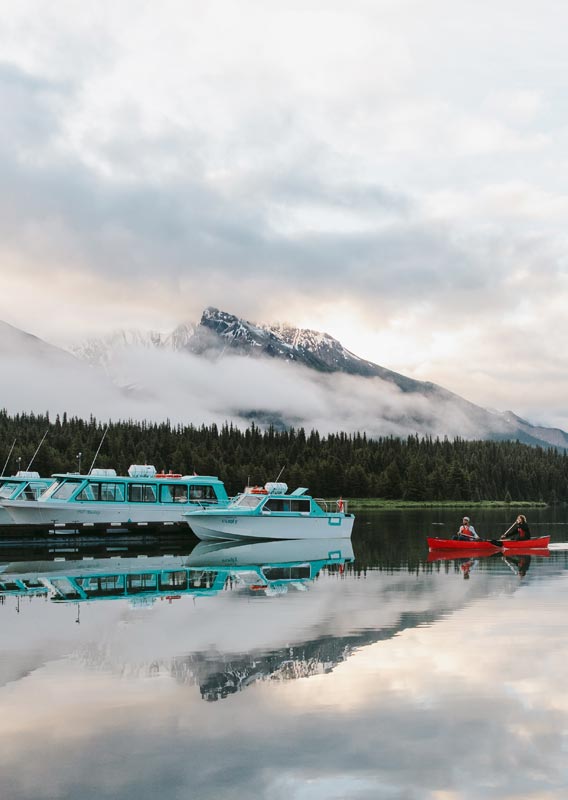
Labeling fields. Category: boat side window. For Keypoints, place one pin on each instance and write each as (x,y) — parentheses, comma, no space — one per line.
(302,506)
(8,490)
(89,492)
(65,490)
(173,493)
(100,492)
(204,493)
(36,489)
(112,492)
(142,493)
(276,504)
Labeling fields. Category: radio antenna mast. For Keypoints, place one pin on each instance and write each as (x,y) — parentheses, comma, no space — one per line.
(280,473)
(9,454)
(37,449)
(98,448)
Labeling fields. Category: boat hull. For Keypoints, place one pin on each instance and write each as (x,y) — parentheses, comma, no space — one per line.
(92,515)
(483,546)
(209,526)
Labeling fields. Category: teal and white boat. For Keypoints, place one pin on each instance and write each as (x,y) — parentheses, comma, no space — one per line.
(269,512)
(23,486)
(104,500)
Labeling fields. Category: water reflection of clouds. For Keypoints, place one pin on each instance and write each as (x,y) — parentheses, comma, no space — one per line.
(462,707)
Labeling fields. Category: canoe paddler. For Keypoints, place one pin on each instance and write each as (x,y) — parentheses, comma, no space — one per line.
(467,532)
(518,531)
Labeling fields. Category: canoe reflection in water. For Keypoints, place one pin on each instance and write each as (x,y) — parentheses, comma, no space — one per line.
(518,563)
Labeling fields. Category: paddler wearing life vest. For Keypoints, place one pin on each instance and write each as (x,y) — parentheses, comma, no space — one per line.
(520,530)
(466,532)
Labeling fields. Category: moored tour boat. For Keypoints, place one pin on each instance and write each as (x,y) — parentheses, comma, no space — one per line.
(24,485)
(104,500)
(269,512)
(486,546)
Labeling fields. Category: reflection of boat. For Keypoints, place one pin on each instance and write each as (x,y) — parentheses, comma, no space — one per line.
(485,546)
(271,513)
(258,568)
(247,553)
(23,486)
(103,499)
(450,555)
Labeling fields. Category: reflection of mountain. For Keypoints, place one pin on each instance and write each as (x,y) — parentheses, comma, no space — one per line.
(218,678)
(240,627)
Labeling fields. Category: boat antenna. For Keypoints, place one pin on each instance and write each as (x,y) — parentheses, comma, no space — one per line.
(37,449)
(280,473)
(98,448)
(9,454)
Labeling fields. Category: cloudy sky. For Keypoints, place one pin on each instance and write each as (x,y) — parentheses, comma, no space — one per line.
(390,171)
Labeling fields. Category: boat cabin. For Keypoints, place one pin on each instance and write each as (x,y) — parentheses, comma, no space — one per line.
(24,485)
(142,485)
(273,498)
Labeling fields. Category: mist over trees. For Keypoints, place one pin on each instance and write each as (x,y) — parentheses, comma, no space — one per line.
(414,468)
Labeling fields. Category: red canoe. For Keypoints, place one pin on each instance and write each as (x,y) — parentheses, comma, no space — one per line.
(482,546)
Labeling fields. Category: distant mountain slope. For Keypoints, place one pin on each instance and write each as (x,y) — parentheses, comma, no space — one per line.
(39,377)
(219,331)
(17,343)
(226,368)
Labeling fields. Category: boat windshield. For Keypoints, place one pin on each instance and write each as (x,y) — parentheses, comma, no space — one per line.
(249,500)
(62,490)
(8,489)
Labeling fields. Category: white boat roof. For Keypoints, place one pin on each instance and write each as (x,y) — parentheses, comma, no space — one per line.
(115,478)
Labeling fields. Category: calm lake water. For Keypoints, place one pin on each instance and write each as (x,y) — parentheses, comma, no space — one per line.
(341,670)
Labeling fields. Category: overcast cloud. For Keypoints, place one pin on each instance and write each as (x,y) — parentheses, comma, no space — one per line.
(390,172)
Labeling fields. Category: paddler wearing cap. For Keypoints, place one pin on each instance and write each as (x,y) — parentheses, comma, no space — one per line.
(466,532)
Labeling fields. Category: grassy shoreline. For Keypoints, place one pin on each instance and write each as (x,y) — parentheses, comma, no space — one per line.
(370,503)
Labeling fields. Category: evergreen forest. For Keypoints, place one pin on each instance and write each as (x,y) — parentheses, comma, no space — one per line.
(353,466)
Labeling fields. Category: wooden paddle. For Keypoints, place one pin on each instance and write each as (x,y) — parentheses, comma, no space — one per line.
(499,542)
(509,529)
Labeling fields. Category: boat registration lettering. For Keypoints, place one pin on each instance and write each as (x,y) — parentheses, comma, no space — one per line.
(228,520)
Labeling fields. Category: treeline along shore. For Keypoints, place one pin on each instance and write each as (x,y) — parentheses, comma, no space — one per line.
(416,468)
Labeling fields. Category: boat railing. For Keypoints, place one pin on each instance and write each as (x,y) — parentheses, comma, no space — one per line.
(332,506)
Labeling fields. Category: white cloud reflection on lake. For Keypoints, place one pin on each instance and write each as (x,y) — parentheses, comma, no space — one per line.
(462,707)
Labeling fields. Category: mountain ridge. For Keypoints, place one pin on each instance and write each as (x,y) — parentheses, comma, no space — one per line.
(393,402)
